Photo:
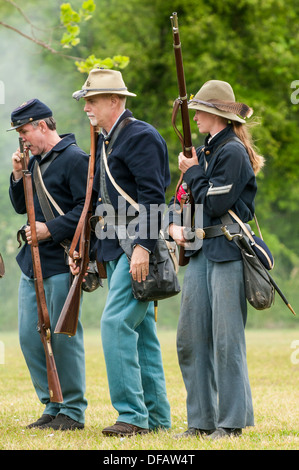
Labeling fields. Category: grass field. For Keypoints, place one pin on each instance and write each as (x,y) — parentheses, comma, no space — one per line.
(274,375)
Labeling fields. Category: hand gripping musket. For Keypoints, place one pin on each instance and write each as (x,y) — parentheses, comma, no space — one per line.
(186,141)
(68,320)
(44,326)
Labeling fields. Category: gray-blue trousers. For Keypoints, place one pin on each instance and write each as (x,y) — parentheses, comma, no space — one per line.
(211,345)
(68,352)
(132,353)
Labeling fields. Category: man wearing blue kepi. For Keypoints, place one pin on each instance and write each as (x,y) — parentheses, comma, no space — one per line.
(138,162)
(62,167)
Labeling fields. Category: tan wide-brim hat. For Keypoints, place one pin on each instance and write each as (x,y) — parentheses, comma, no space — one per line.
(217,97)
(103,81)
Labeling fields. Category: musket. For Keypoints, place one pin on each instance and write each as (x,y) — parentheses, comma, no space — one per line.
(44,327)
(181,103)
(68,320)
(2,267)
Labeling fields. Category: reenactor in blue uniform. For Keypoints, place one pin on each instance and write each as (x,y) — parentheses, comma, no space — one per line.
(63,167)
(138,162)
(221,175)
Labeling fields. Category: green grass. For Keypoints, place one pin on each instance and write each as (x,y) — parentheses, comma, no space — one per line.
(273,371)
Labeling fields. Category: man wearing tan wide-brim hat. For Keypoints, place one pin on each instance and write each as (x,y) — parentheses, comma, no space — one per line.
(137,158)
(210,339)
(103,81)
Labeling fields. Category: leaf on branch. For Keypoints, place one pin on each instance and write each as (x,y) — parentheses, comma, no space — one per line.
(88,6)
(121,61)
(70,20)
(69,39)
(92,62)
(68,15)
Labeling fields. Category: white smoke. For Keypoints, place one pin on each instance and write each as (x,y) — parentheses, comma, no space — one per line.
(25,74)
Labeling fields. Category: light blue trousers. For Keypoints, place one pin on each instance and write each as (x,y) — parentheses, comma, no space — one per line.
(68,351)
(132,353)
(211,345)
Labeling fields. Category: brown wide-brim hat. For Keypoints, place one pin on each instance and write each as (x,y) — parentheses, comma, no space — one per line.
(217,97)
(103,81)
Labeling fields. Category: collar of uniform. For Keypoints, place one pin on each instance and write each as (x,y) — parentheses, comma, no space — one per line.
(126,113)
(108,136)
(212,143)
(66,140)
(212,137)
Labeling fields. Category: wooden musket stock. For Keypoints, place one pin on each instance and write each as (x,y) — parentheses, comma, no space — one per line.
(2,267)
(182,104)
(68,320)
(44,326)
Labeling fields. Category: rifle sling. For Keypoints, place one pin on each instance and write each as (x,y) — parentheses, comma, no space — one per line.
(176,107)
(43,199)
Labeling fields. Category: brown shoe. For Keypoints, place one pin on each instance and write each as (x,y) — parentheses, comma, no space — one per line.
(123,429)
(44,419)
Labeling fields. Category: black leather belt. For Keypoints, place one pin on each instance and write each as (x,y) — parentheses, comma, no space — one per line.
(215,230)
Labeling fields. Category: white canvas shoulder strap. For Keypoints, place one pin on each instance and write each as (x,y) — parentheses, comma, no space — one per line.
(117,187)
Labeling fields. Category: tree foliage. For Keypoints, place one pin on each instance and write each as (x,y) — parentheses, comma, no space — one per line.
(70,21)
(251,44)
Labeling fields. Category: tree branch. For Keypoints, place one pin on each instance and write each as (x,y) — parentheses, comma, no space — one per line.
(39,42)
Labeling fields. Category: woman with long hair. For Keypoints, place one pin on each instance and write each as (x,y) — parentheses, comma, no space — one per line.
(221,175)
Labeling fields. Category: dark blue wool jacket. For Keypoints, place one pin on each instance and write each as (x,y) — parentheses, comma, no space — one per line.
(65,179)
(228,182)
(138,161)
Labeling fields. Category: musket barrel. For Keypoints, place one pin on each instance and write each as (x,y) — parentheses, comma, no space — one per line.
(182,86)
(181,103)
(42,310)
(21,145)
(174,20)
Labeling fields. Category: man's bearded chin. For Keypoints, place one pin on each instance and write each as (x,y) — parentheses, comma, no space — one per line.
(93,120)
